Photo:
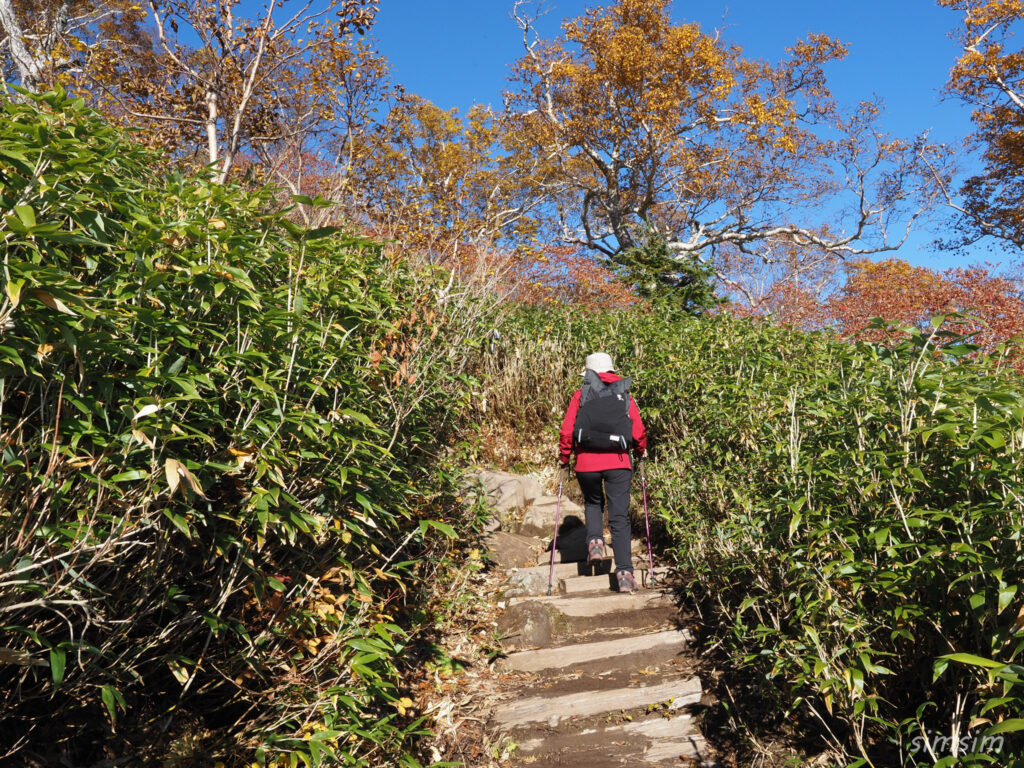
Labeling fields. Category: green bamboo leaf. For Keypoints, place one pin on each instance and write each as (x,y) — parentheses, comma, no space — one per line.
(1007,726)
(970,658)
(58,659)
(26,215)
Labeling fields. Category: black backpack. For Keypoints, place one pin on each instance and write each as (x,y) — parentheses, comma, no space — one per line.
(602,421)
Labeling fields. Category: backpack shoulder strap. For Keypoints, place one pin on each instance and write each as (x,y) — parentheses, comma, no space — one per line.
(592,387)
(620,387)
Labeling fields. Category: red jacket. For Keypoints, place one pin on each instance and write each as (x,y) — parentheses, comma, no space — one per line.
(596,461)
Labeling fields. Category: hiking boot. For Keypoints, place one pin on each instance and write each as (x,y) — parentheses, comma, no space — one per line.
(595,550)
(626,581)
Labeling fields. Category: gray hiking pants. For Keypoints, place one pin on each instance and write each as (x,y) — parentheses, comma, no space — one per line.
(613,485)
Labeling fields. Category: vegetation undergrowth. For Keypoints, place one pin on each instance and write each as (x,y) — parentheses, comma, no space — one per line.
(850,515)
(219,510)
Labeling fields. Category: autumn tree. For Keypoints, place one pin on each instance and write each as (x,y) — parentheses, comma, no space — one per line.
(322,151)
(645,122)
(783,280)
(43,40)
(989,76)
(199,77)
(567,275)
(988,303)
(443,183)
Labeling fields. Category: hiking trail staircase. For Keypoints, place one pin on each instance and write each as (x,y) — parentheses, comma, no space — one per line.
(596,678)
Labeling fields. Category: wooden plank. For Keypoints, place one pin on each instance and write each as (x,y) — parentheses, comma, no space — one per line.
(596,605)
(552,709)
(569,570)
(652,740)
(572,655)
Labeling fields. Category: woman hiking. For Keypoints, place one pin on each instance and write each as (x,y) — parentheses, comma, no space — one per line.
(602,427)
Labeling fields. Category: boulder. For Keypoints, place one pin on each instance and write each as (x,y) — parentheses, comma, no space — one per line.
(527,582)
(539,518)
(510,550)
(528,624)
(505,491)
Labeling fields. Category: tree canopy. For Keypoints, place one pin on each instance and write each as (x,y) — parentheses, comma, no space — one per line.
(644,122)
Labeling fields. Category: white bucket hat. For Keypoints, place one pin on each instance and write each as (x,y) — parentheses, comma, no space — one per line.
(599,362)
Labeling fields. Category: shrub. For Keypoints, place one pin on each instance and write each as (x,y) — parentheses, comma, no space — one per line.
(213,467)
(850,514)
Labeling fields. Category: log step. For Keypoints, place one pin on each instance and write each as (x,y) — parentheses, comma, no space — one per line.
(554,708)
(596,605)
(653,741)
(671,641)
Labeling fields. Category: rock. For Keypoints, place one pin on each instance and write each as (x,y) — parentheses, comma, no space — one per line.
(527,582)
(552,709)
(527,624)
(507,492)
(539,518)
(510,550)
(532,488)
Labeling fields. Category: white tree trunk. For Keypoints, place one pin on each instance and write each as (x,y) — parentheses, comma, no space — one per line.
(28,66)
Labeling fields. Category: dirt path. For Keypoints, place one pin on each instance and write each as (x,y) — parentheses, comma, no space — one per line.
(595,678)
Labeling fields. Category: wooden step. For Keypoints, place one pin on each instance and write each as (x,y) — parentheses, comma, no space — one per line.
(568,570)
(577,555)
(651,741)
(671,641)
(577,584)
(596,605)
(551,709)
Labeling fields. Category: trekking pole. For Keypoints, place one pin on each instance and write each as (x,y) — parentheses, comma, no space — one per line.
(554,540)
(647,523)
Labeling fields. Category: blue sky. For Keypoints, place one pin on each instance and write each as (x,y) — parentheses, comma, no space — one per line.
(458,52)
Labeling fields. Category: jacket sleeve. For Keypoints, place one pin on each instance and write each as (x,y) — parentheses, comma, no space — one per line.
(565,436)
(639,431)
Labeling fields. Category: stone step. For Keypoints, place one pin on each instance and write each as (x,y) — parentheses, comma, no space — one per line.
(554,708)
(651,741)
(576,552)
(670,641)
(596,605)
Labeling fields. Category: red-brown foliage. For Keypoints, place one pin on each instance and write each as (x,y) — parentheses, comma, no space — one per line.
(990,304)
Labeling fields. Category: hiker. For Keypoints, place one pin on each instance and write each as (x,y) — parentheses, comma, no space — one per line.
(602,427)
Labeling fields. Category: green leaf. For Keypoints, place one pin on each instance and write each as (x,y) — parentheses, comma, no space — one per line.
(111,699)
(444,528)
(13,290)
(26,215)
(1006,596)
(1007,726)
(321,232)
(57,661)
(132,474)
(970,658)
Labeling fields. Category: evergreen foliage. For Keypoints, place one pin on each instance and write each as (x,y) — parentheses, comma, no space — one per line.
(674,282)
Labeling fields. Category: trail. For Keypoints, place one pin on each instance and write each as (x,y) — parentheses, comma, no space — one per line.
(596,678)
